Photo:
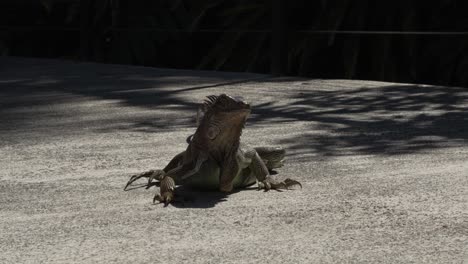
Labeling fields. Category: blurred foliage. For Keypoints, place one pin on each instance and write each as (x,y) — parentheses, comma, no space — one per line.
(204,34)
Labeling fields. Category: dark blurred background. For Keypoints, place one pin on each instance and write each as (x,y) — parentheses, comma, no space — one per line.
(400,41)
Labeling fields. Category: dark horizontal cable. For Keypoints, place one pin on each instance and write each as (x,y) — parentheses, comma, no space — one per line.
(45,28)
(373,32)
(193,31)
(349,32)
(48,28)
(344,32)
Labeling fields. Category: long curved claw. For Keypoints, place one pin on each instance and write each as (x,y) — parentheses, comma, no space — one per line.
(151,174)
(136,177)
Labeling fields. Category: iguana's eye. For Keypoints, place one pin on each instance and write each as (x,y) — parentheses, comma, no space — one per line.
(213,132)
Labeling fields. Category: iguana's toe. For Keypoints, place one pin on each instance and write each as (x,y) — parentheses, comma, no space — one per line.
(165,198)
(290,183)
(264,185)
(156,174)
(270,183)
(151,175)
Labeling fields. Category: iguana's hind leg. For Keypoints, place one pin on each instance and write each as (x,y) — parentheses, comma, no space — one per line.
(267,181)
(273,157)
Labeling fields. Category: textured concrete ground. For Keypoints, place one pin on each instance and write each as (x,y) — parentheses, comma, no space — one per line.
(384,168)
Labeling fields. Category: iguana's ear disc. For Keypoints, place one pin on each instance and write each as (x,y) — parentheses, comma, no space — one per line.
(213,132)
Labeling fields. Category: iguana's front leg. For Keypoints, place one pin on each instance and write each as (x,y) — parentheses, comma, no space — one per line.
(182,166)
(181,172)
(265,180)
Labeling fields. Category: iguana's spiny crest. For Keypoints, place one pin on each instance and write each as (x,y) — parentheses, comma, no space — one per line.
(225,103)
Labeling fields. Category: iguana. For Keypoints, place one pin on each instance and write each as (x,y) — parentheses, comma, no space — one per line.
(215,159)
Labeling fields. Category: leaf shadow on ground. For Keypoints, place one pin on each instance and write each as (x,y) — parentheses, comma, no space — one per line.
(385,120)
(161,90)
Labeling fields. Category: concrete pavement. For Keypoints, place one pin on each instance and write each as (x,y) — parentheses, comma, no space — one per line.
(383,165)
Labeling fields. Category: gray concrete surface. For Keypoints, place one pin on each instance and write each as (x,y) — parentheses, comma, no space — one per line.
(384,168)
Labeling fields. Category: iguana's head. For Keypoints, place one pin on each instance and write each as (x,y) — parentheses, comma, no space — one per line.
(227,104)
(224,118)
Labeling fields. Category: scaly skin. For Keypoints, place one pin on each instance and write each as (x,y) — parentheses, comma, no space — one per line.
(215,158)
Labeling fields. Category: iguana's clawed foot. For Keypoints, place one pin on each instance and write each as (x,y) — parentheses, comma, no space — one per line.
(151,175)
(166,191)
(269,183)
